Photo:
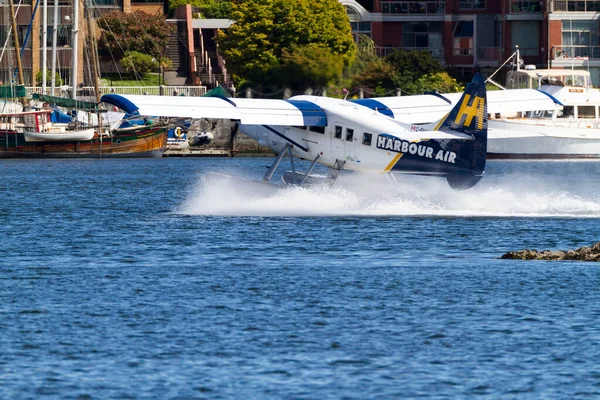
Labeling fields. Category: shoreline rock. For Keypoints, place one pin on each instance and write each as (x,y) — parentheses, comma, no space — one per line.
(585,253)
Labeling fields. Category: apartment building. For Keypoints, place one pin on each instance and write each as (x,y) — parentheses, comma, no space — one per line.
(479,35)
(29,19)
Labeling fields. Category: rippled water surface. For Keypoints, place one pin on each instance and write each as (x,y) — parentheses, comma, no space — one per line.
(186,278)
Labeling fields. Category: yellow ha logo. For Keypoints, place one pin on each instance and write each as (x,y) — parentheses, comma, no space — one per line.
(476,108)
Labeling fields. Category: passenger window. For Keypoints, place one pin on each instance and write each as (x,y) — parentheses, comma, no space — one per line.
(349,134)
(367,137)
(338,132)
(318,129)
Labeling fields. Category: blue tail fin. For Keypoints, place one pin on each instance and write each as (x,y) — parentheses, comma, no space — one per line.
(470,116)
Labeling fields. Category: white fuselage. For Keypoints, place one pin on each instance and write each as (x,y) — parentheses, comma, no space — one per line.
(351,135)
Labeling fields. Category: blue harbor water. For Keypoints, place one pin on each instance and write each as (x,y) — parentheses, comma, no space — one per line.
(185,278)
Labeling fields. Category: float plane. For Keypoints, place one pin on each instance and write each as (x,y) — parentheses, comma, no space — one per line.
(360,135)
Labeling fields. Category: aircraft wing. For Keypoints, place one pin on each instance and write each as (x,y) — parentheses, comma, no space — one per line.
(431,107)
(247,111)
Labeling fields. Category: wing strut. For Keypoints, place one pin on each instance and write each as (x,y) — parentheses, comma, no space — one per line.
(302,178)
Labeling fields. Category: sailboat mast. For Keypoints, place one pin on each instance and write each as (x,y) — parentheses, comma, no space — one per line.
(54,39)
(13,21)
(92,43)
(75,48)
(44,45)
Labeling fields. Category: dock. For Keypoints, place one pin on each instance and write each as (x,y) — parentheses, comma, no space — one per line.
(197,152)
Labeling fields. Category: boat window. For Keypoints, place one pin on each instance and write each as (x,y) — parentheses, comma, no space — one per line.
(338,132)
(568,112)
(579,81)
(349,134)
(367,138)
(586,112)
(298,127)
(539,114)
(318,129)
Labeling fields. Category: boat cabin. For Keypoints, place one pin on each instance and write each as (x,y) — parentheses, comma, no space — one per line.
(573,88)
(537,78)
(32,121)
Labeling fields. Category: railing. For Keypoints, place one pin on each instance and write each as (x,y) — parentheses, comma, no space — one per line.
(574,5)
(576,52)
(530,51)
(489,53)
(412,7)
(88,91)
(436,52)
(523,7)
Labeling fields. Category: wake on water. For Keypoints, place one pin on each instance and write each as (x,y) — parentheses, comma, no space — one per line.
(511,195)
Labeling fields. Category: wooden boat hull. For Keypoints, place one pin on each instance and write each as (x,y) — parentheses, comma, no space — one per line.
(146,141)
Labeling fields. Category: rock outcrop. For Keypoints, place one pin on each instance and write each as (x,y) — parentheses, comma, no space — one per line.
(585,253)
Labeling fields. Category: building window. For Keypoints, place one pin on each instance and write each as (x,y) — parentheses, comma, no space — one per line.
(526,35)
(463,38)
(580,39)
(518,6)
(577,6)
(423,36)
(349,134)
(413,7)
(360,28)
(367,138)
(338,132)
(472,4)
(63,36)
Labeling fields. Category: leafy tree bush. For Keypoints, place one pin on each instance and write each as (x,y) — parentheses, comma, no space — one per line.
(271,37)
(206,8)
(309,66)
(139,63)
(377,78)
(439,82)
(138,31)
(413,65)
(39,77)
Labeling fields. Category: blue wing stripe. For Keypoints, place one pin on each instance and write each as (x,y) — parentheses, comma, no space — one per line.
(312,113)
(375,105)
(121,102)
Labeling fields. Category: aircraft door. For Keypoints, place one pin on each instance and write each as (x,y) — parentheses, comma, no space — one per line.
(350,139)
(338,147)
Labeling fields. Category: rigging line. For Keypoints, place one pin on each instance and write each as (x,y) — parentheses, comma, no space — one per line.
(37,3)
(8,36)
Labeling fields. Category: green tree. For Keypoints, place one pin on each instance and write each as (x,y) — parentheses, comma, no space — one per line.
(137,31)
(206,8)
(139,63)
(309,66)
(439,82)
(412,65)
(39,77)
(262,43)
(378,78)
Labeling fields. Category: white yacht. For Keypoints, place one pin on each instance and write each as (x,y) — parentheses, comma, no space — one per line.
(570,131)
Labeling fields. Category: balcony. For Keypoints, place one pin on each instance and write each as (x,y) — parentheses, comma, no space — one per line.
(574,6)
(578,53)
(524,7)
(412,7)
(436,52)
(489,53)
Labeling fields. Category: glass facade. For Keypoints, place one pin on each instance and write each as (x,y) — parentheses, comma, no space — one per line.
(580,39)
